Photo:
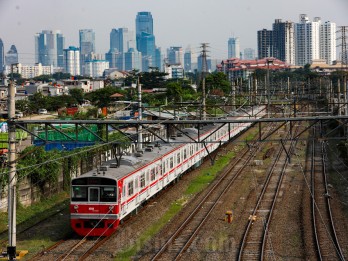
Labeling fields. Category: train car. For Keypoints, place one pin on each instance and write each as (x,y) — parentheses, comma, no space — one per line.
(100,199)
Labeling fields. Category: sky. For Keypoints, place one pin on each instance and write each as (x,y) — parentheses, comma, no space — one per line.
(176,22)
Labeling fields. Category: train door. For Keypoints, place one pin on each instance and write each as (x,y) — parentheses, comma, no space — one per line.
(93,197)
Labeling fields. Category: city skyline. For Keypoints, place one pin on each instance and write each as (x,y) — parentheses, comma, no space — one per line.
(178,23)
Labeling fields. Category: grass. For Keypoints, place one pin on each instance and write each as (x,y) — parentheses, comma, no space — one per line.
(27,216)
(209,174)
(174,208)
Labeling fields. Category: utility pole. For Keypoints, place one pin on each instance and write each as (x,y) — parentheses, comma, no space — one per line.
(140,117)
(204,71)
(11,248)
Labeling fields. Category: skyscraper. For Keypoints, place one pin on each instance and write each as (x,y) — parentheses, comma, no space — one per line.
(307,35)
(87,46)
(11,56)
(175,55)
(283,41)
(264,43)
(72,60)
(233,47)
(145,39)
(133,60)
(49,47)
(328,42)
(121,39)
(2,56)
(143,23)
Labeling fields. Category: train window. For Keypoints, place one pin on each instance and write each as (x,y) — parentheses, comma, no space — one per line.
(142,180)
(171,164)
(185,154)
(153,174)
(93,194)
(79,193)
(191,150)
(108,194)
(130,188)
(124,191)
(163,168)
(178,160)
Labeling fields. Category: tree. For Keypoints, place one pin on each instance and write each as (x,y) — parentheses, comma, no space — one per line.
(77,94)
(101,98)
(218,80)
(174,91)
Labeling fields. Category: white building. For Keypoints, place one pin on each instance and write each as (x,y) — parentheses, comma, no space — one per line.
(30,71)
(96,68)
(71,60)
(174,71)
(307,44)
(328,42)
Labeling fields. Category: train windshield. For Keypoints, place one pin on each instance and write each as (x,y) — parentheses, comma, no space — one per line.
(94,190)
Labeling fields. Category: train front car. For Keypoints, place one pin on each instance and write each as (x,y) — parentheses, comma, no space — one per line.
(93,205)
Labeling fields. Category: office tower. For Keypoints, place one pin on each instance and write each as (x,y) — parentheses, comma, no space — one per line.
(11,56)
(87,46)
(159,59)
(190,60)
(147,48)
(175,55)
(283,41)
(307,37)
(2,57)
(249,54)
(143,23)
(115,59)
(133,60)
(233,47)
(49,47)
(145,39)
(265,43)
(121,39)
(328,42)
(72,60)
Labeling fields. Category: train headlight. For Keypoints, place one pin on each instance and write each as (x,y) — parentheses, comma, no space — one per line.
(76,207)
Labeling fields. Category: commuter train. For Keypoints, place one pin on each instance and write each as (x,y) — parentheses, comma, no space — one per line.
(100,199)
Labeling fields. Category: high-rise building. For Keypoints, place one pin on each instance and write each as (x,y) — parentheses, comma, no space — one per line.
(2,56)
(145,39)
(190,60)
(115,59)
(307,35)
(121,39)
(95,68)
(233,47)
(11,56)
(265,43)
(133,60)
(72,60)
(328,42)
(87,46)
(143,23)
(159,58)
(175,55)
(249,54)
(283,41)
(49,47)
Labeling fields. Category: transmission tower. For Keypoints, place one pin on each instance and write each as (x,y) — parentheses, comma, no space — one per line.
(204,72)
(344,55)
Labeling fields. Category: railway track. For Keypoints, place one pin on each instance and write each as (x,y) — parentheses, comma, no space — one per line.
(179,242)
(327,246)
(255,237)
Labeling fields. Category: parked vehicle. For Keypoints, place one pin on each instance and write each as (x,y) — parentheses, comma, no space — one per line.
(42,111)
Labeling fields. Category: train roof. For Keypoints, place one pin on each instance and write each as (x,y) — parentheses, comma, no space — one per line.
(151,152)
